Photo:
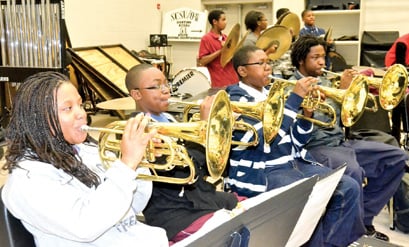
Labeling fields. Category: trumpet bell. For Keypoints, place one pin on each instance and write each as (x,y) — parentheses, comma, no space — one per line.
(393,86)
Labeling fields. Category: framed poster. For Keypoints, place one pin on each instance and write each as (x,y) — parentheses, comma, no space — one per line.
(184,24)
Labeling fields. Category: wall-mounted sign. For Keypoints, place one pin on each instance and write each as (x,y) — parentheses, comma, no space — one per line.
(184,24)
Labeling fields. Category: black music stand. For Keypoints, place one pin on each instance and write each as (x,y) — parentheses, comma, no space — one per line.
(271,221)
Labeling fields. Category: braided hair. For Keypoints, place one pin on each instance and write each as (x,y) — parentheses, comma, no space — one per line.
(34,132)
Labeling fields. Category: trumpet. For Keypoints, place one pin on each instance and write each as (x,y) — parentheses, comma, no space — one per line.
(309,102)
(215,135)
(176,155)
(391,87)
(353,100)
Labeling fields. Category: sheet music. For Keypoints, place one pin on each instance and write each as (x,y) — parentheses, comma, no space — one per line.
(251,202)
(221,216)
(314,208)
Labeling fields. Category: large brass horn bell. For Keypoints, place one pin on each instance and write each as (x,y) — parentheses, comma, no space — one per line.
(391,87)
(269,112)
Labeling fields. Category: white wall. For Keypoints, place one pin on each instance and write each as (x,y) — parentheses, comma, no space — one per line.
(129,22)
(386,15)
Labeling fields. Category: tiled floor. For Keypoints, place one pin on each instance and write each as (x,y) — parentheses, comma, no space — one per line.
(381,221)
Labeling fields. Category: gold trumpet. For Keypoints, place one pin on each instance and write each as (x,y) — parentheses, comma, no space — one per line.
(176,155)
(353,101)
(391,87)
(215,135)
(309,101)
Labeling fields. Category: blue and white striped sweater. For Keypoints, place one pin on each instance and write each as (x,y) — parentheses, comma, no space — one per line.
(248,165)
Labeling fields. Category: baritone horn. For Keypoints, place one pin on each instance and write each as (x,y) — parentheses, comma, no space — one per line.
(237,125)
(391,87)
(270,111)
(353,101)
(215,135)
(251,109)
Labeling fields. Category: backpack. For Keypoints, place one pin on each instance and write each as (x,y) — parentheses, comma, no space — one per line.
(401,205)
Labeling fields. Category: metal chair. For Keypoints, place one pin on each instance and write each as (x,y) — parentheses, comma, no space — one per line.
(12,231)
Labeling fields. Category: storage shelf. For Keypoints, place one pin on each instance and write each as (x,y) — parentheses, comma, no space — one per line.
(210,2)
(346,42)
(344,22)
(337,12)
(184,40)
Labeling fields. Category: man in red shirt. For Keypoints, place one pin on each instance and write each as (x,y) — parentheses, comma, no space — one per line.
(210,50)
(399,52)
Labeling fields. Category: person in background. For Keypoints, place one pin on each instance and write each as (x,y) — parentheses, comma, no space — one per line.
(399,52)
(282,67)
(180,209)
(210,52)
(310,28)
(381,164)
(256,169)
(255,22)
(281,11)
(57,185)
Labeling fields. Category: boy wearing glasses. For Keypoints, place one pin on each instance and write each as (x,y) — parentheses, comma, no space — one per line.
(180,209)
(254,170)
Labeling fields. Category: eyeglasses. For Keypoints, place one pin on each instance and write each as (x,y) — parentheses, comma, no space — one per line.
(162,87)
(261,63)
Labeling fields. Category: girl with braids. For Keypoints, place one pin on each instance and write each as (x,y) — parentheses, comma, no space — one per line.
(57,186)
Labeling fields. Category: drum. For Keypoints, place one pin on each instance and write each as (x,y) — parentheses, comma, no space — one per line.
(126,103)
(191,81)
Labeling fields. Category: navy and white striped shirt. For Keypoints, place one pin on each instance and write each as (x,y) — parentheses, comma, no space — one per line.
(249,165)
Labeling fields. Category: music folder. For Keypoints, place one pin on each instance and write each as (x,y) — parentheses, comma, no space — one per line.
(269,217)
(286,216)
(315,207)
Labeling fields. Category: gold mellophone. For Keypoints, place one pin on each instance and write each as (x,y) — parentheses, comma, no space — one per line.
(215,135)
(353,100)
(391,87)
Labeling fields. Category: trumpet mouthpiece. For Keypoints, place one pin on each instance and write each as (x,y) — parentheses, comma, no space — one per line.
(85,128)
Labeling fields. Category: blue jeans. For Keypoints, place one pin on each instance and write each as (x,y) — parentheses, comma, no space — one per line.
(342,222)
(382,164)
